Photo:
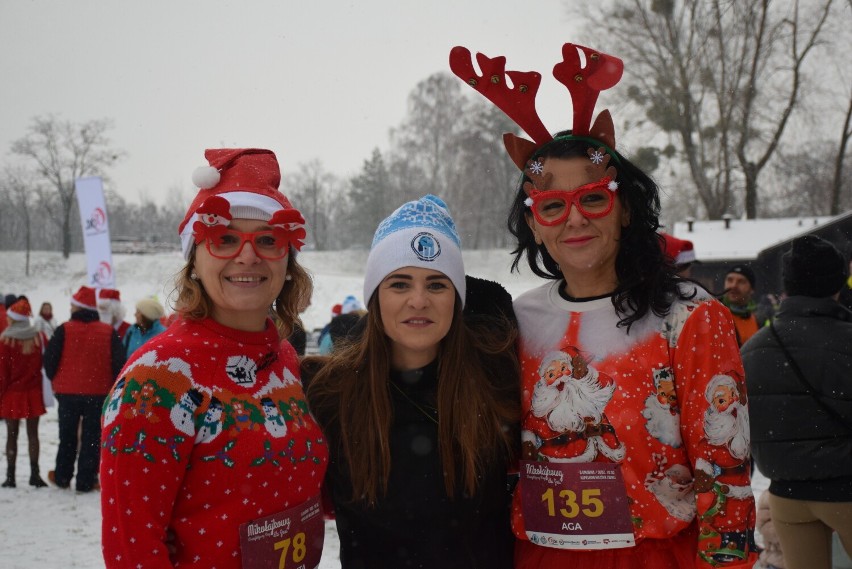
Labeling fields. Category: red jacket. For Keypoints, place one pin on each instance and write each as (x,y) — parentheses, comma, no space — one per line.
(84,356)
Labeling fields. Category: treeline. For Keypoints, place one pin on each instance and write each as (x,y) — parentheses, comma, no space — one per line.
(735,108)
(449,144)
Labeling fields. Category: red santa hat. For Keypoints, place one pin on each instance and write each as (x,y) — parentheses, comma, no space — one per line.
(109,294)
(20,310)
(681,251)
(238,183)
(85,298)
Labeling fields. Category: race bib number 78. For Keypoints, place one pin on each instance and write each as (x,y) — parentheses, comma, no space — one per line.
(291,539)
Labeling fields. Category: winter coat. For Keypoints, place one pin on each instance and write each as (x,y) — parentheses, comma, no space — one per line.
(793,439)
(135,337)
(84,356)
(20,374)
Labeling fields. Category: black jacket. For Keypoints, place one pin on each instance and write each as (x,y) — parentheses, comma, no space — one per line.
(795,442)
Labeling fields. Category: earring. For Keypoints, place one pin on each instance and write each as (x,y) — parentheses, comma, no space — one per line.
(193,276)
(288,278)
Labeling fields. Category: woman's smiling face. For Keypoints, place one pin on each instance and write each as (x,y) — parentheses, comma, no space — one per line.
(417,307)
(241,289)
(585,248)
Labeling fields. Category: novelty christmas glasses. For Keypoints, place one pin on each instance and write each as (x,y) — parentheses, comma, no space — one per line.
(551,207)
(270,244)
(286,229)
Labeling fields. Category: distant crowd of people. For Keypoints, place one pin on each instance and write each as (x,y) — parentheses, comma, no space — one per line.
(75,363)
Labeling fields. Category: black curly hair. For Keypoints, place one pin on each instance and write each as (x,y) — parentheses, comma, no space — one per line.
(646,278)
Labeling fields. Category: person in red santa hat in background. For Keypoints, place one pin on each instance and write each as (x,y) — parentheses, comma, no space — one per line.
(112,311)
(201,414)
(681,252)
(81,360)
(20,387)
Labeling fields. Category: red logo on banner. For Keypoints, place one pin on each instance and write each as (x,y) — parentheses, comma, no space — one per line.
(96,223)
(103,276)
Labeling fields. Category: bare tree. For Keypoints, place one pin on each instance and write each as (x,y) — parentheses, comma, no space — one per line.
(450,144)
(427,137)
(314,192)
(803,181)
(721,77)
(64,151)
(846,126)
(22,195)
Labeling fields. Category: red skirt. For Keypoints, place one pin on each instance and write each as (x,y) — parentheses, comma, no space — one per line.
(23,404)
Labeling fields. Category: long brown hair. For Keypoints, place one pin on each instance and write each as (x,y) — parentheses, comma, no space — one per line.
(193,301)
(477,418)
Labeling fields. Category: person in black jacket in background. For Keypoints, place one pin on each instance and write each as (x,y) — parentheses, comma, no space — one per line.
(801,427)
(421,408)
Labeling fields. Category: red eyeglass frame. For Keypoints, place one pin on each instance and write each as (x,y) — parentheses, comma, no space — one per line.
(573,198)
(277,235)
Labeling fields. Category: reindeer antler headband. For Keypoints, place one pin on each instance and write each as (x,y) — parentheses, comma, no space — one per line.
(601,71)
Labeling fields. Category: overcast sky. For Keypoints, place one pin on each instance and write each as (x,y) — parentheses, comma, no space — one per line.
(308,79)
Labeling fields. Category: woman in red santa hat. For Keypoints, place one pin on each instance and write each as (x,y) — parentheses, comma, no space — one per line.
(200,438)
(20,387)
(630,331)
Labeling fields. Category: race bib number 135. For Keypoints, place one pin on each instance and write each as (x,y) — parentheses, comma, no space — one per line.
(575,505)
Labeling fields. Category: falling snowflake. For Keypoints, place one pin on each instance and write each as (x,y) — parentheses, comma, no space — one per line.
(536,167)
(597,157)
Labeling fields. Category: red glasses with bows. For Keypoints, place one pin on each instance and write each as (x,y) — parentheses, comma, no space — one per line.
(286,229)
(551,207)
(266,244)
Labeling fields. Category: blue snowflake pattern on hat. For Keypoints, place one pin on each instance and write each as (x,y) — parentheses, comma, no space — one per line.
(427,212)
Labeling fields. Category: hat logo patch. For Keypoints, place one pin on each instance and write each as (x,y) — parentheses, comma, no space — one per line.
(425,246)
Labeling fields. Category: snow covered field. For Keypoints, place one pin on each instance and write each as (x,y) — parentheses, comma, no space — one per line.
(50,527)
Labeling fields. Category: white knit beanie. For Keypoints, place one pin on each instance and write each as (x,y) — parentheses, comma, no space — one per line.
(150,308)
(418,234)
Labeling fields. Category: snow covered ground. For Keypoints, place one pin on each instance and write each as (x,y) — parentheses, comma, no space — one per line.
(51,527)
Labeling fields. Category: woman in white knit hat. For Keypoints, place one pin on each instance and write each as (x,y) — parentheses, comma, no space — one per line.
(148,314)
(421,411)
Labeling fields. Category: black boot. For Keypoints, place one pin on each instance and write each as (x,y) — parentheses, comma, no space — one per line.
(10,477)
(35,479)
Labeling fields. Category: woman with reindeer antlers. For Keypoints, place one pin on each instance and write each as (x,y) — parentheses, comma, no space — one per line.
(635,440)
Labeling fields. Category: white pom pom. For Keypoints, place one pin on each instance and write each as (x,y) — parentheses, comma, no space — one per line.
(206,177)
(528,202)
(613,185)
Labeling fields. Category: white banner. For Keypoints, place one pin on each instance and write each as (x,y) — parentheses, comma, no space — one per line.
(93,216)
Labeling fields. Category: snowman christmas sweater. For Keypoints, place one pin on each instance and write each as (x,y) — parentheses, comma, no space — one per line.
(206,429)
(665,401)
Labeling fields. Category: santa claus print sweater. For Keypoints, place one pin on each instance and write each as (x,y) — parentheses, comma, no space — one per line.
(206,428)
(665,401)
